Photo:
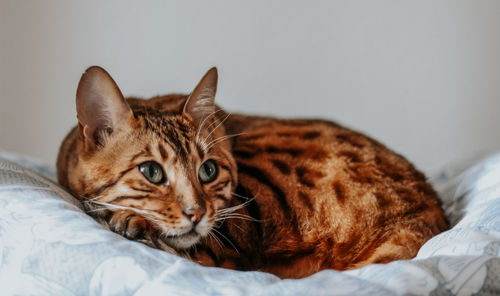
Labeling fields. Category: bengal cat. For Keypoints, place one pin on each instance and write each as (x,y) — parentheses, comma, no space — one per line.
(290,197)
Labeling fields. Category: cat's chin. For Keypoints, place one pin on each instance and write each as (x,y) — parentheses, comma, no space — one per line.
(183,241)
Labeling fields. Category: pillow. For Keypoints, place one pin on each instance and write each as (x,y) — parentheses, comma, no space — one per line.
(49,246)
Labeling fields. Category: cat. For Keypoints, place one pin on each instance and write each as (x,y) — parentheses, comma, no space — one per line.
(285,196)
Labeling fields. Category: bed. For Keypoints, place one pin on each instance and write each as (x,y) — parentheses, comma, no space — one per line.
(49,246)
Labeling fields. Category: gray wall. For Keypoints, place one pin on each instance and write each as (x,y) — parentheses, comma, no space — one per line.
(421,76)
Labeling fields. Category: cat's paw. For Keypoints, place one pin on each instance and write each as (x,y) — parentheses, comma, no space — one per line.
(206,258)
(203,258)
(128,224)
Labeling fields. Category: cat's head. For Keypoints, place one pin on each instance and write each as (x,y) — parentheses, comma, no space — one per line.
(166,158)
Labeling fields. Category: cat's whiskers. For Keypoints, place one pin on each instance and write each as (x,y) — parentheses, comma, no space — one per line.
(239,227)
(202,124)
(89,206)
(230,213)
(236,207)
(211,234)
(213,130)
(208,146)
(108,206)
(218,223)
(236,216)
(230,242)
(96,210)
(86,199)
(245,197)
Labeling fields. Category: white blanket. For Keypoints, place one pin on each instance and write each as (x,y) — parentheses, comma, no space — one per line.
(49,246)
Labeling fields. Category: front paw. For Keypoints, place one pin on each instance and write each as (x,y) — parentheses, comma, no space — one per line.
(128,224)
(204,258)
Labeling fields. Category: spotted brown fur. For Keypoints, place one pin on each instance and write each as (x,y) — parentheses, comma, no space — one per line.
(292,196)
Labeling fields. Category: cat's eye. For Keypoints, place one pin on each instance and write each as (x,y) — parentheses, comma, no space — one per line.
(152,171)
(208,171)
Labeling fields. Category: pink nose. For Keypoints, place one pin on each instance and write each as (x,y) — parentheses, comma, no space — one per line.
(194,214)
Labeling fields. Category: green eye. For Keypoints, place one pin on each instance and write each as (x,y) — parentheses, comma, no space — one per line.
(152,171)
(208,171)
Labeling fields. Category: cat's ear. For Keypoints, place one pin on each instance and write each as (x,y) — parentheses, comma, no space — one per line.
(100,107)
(201,102)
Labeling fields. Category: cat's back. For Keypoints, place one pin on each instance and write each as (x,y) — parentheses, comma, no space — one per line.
(315,142)
(338,191)
(319,155)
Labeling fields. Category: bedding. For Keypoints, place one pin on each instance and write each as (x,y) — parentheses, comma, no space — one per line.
(49,246)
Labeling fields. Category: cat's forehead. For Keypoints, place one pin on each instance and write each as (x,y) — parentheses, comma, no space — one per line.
(170,134)
(167,124)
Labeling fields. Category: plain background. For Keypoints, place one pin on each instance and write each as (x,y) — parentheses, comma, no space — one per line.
(423,77)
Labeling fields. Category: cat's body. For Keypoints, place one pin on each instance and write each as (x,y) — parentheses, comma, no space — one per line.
(291,197)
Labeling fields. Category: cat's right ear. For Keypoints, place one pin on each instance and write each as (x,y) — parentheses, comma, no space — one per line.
(100,107)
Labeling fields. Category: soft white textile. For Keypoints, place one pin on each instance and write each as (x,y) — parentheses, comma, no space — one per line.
(48,246)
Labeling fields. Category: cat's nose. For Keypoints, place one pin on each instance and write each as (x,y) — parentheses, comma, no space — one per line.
(194,213)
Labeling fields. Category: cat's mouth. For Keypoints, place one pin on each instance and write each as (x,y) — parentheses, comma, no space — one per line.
(184,240)
(192,232)
(188,238)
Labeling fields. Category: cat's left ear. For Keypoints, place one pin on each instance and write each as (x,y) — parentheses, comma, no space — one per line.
(201,102)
